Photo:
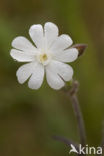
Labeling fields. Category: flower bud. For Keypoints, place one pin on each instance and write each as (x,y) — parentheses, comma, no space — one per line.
(81,48)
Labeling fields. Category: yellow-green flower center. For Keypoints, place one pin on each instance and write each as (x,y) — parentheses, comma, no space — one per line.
(43,57)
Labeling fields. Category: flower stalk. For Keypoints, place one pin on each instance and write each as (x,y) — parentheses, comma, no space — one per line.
(75,103)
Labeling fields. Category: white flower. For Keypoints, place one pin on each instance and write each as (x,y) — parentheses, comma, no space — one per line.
(48,55)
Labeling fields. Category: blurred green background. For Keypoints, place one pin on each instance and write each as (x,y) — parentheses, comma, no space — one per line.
(29,118)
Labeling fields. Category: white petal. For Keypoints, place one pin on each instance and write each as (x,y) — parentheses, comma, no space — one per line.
(36,33)
(64,70)
(21,56)
(68,55)
(51,33)
(24,44)
(37,77)
(54,79)
(56,72)
(24,72)
(61,43)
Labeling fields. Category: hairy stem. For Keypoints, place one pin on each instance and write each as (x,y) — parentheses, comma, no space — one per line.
(77,111)
(79,118)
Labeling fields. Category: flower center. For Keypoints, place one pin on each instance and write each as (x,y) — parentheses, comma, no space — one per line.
(43,58)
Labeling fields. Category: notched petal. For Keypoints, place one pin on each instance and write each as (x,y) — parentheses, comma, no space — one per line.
(22,43)
(21,56)
(62,42)
(51,33)
(36,34)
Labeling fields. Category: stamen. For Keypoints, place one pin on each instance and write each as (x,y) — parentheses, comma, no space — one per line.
(43,57)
